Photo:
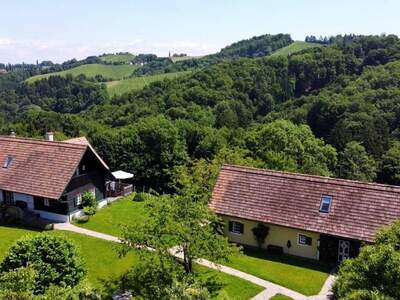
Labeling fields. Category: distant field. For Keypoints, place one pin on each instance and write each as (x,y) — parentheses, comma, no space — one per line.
(294,47)
(117,57)
(182,58)
(136,83)
(114,72)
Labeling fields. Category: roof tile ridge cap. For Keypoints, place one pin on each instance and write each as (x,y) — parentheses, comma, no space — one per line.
(42,142)
(312,178)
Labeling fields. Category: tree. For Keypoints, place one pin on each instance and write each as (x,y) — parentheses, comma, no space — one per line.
(375,273)
(356,164)
(260,233)
(54,259)
(390,166)
(377,268)
(283,145)
(179,221)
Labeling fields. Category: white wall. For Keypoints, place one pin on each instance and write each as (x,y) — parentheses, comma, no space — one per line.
(26,198)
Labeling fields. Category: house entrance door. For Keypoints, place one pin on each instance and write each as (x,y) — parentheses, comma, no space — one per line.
(344,250)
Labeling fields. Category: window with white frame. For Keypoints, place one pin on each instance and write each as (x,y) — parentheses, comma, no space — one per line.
(46,202)
(236,227)
(304,240)
(325,205)
(8,161)
(78,200)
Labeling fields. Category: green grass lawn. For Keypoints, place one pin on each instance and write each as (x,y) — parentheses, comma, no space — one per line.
(122,212)
(229,287)
(117,57)
(280,297)
(294,47)
(104,264)
(112,72)
(120,87)
(301,275)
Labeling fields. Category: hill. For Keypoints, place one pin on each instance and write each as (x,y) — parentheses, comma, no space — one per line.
(117,58)
(120,87)
(110,72)
(294,47)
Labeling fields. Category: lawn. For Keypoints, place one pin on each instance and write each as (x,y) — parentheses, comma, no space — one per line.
(110,219)
(120,87)
(103,263)
(117,57)
(301,275)
(294,47)
(111,72)
(280,297)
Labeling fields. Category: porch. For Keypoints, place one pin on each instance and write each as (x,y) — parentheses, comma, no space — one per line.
(333,249)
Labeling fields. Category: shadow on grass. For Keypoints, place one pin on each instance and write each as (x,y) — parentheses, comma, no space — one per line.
(288,259)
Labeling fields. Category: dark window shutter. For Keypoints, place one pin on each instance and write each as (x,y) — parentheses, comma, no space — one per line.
(230,226)
(241,227)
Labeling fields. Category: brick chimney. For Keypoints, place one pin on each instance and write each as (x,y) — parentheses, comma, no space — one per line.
(49,136)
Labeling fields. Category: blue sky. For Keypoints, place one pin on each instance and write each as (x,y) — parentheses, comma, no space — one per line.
(64,29)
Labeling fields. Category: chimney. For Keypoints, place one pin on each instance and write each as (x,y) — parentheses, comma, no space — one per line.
(12,134)
(49,136)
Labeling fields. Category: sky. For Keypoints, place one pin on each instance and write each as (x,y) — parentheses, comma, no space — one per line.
(59,30)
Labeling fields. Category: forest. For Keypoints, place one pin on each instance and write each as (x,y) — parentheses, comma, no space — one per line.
(331,110)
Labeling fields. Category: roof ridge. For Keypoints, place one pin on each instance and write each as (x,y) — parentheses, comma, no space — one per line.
(313,178)
(42,142)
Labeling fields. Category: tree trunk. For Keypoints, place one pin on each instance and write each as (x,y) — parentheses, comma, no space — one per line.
(187,261)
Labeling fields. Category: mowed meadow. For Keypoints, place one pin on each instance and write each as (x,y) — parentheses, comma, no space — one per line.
(119,87)
(110,72)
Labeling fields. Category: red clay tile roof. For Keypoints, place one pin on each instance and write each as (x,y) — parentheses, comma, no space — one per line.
(358,209)
(39,168)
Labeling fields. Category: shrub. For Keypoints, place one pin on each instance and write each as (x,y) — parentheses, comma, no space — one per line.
(89,203)
(260,234)
(55,260)
(13,215)
(140,197)
(88,199)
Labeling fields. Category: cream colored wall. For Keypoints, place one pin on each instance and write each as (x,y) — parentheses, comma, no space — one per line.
(277,235)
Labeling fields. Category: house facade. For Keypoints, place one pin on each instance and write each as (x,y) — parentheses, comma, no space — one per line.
(315,217)
(48,177)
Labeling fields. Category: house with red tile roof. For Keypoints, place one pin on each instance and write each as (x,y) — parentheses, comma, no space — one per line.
(49,177)
(315,217)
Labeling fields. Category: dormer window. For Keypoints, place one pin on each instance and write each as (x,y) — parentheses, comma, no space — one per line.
(8,161)
(325,205)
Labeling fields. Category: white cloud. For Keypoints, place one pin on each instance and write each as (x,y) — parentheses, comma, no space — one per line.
(16,51)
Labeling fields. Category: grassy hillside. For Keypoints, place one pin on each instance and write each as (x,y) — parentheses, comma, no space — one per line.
(117,57)
(113,72)
(119,87)
(294,47)
(175,59)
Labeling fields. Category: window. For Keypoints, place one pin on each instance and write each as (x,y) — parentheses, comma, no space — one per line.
(304,240)
(236,227)
(326,202)
(78,200)
(77,171)
(8,161)
(46,202)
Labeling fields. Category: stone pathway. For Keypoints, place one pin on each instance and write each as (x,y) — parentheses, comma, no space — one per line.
(271,289)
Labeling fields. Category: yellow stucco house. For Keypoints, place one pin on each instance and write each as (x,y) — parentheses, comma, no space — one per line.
(314,217)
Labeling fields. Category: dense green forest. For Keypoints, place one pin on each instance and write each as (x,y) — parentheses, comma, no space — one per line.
(331,110)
